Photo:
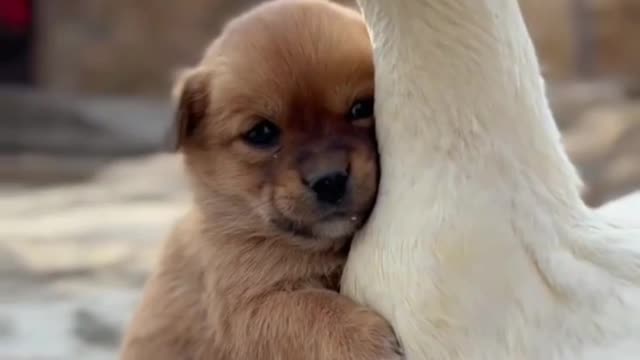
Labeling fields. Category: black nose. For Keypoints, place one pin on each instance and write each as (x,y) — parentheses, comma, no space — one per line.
(331,187)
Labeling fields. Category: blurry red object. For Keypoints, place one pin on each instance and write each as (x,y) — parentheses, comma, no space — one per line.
(15,15)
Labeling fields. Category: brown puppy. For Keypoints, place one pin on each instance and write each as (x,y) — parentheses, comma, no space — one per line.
(276,127)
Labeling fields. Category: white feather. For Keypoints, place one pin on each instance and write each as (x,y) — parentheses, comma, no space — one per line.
(480,246)
(626,208)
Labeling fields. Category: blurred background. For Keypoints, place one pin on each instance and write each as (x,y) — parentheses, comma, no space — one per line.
(88,190)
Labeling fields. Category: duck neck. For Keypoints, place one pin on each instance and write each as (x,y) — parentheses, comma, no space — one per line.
(460,94)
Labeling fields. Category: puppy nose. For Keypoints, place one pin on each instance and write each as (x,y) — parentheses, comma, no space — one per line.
(330,188)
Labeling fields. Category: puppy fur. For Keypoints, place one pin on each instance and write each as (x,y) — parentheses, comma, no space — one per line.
(252,272)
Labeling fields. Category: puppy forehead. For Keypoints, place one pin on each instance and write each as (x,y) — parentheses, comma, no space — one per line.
(292,23)
(302,49)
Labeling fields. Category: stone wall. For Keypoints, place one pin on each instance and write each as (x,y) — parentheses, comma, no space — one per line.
(604,38)
(618,36)
(133,47)
(124,47)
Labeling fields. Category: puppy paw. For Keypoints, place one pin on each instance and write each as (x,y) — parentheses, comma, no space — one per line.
(374,339)
(393,350)
(389,351)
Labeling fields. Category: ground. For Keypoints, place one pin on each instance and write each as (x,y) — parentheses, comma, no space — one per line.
(73,257)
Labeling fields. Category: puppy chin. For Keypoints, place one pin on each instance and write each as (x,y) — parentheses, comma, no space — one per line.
(324,234)
(336,229)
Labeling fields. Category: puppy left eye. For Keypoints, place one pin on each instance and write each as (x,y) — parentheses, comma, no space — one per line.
(361,109)
(265,134)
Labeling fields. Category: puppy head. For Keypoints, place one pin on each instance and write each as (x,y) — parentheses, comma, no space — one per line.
(276,122)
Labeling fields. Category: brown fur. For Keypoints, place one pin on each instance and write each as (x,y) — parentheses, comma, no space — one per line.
(253,271)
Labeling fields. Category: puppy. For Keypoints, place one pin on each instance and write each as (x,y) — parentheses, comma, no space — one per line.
(276,128)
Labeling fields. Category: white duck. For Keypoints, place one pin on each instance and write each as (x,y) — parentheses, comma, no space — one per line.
(480,246)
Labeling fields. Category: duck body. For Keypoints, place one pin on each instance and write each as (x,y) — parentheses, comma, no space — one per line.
(479,246)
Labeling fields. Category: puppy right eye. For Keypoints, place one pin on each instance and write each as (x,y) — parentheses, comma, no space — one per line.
(263,135)
(361,109)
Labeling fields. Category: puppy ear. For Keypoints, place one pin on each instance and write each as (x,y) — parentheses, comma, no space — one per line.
(191,95)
